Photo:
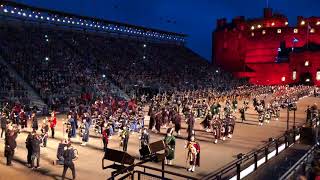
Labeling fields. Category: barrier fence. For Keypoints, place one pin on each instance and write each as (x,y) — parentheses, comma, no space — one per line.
(248,163)
(300,166)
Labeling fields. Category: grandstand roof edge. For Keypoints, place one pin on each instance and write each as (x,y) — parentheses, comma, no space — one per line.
(22,5)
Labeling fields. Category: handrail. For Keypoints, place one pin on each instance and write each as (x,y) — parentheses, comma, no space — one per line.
(298,163)
(234,165)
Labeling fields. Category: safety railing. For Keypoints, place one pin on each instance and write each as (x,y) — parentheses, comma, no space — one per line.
(300,166)
(248,163)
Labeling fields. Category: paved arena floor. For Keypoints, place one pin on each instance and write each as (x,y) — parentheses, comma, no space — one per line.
(247,136)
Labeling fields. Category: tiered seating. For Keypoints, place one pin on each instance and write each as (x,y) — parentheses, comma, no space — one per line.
(10,90)
(61,64)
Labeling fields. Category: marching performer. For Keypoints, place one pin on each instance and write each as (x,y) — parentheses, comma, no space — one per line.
(144,141)
(242,112)
(177,122)
(190,122)
(53,123)
(124,138)
(193,155)
(86,126)
(235,104)
(206,123)
(267,113)
(260,111)
(44,132)
(105,137)
(170,142)
(216,129)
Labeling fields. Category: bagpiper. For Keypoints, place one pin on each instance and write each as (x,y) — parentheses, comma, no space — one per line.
(193,156)
(267,113)
(170,143)
(216,129)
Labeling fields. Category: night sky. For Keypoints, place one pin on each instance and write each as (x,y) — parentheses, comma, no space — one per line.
(196,18)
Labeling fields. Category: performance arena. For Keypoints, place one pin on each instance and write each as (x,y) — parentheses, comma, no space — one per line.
(87,98)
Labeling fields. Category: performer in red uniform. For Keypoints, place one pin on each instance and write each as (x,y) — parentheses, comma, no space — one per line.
(193,156)
(53,123)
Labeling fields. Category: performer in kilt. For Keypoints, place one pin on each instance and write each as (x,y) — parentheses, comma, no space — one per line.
(216,129)
(170,142)
(144,141)
(193,156)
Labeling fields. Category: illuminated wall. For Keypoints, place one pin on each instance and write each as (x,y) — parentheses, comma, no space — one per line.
(265,49)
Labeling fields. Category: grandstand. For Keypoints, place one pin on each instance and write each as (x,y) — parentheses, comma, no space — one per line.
(59,57)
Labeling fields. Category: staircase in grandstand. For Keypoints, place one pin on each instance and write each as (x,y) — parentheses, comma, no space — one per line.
(34,97)
(113,85)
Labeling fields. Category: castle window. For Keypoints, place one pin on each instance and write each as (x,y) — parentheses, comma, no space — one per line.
(263,31)
(306,63)
(259,26)
(318,23)
(302,23)
(294,75)
(272,24)
(252,27)
(295,31)
(318,75)
(312,30)
(279,31)
(286,23)
(283,79)
(252,34)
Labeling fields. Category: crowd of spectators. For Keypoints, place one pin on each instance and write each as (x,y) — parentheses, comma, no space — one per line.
(11,90)
(61,64)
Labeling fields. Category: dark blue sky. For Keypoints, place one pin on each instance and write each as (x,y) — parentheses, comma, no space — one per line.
(197,18)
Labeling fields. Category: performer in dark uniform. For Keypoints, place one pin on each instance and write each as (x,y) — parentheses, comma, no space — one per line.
(4,123)
(190,122)
(242,112)
(105,137)
(44,132)
(152,119)
(10,143)
(68,156)
(170,142)
(124,138)
(34,120)
(144,141)
(158,121)
(193,156)
(216,129)
(23,119)
(177,123)
(206,123)
(29,148)
(235,104)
